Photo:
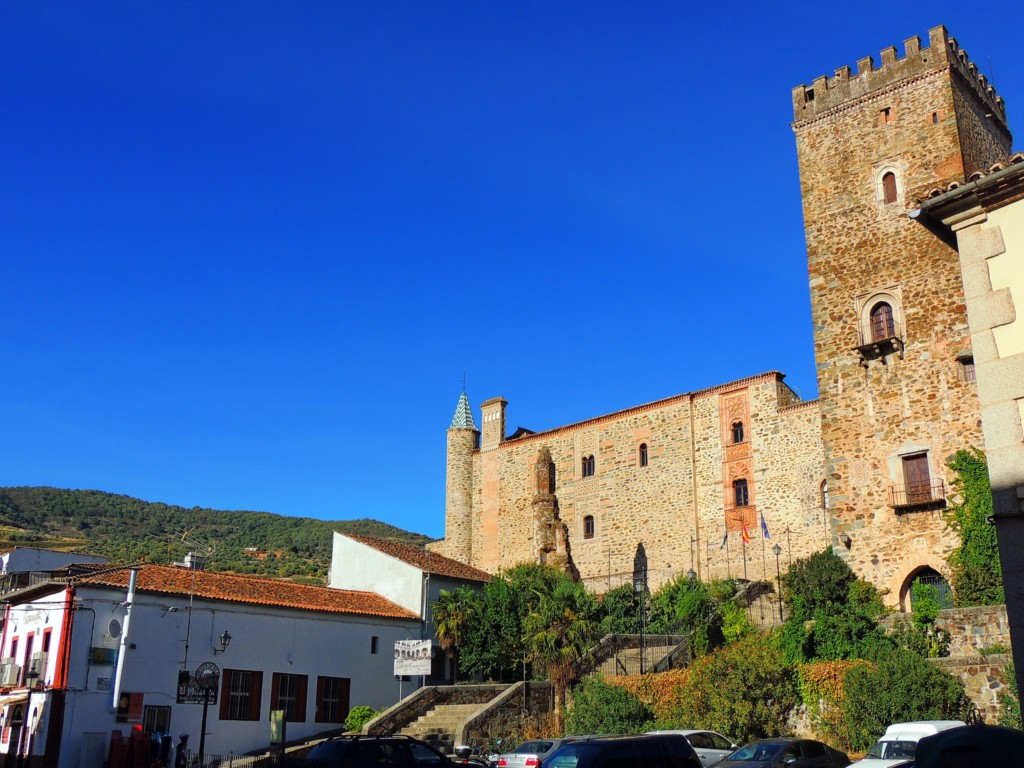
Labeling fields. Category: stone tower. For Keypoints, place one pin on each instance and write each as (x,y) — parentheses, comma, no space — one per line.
(893,355)
(463,439)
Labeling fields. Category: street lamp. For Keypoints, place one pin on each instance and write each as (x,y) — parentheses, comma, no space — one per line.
(777,550)
(225,641)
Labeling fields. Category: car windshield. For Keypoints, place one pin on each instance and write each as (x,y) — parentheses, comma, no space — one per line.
(566,756)
(892,750)
(759,750)
(532,748)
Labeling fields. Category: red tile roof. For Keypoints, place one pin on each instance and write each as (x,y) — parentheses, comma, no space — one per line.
(429,562)
(170,580)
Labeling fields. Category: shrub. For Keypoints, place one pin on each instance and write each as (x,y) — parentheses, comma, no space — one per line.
(1009,701)
(898,685)
(977,573)
(744,689)
(819,582)
(358,717)
(598,707)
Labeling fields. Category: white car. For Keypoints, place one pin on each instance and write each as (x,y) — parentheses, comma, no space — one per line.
(709,745)
(529,754)
(899,742)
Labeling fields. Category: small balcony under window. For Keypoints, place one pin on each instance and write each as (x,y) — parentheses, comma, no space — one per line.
(906,498)
(879,340)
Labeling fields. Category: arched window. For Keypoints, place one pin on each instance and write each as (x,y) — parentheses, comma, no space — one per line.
(737,432)
(741,495)
(588,466)
(551,477)
(824,494)
(643,454)
(889,187)
(883,326)
(588,527)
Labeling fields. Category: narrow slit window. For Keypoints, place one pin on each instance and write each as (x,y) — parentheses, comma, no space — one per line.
(643,454)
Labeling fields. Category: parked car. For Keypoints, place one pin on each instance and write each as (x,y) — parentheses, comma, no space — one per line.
(972,746)
(710,746)
(531,754)
(899,742)
(665,750)
(359,751)
(792,753)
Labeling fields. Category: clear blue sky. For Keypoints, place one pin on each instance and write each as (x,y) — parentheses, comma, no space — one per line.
(250,248)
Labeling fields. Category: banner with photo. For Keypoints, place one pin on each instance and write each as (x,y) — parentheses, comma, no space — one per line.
(412,657)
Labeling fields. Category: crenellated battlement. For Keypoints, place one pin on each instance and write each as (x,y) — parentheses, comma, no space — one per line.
(943,51)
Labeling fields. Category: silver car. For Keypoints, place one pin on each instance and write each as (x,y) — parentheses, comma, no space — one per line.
(709,745)
(530,754)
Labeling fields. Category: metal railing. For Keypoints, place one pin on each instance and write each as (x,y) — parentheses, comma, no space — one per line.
(910,496)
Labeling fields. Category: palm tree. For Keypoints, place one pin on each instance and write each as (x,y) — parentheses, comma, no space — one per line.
(452,613)
(559,630)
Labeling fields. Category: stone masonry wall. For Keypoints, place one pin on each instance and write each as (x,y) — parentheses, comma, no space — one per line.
(676,505)
(879,408)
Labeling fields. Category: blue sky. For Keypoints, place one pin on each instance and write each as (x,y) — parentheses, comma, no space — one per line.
(249,249)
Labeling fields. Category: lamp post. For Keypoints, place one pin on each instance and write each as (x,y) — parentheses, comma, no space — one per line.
(777,550)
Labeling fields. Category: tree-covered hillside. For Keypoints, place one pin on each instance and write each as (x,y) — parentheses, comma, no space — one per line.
(125,529)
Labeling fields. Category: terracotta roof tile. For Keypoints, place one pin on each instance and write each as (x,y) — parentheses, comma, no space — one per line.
(430,562)
(249,589)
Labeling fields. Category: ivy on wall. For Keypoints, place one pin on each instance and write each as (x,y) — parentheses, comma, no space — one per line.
(977,574)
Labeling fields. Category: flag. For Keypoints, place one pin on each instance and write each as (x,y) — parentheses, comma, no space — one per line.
(764,528)
(725,540)
(746,535)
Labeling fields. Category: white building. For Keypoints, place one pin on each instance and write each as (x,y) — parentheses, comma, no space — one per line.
(411,576)
(28,560)
(111,658)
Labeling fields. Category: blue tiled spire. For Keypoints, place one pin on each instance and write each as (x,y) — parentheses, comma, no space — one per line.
(463,418)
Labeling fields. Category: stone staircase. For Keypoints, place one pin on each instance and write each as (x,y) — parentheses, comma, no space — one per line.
(440,724)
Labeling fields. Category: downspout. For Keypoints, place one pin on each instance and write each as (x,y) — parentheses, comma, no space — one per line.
(60,674)
(133,577)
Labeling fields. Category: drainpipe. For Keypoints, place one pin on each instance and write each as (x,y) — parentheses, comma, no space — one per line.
(133,577)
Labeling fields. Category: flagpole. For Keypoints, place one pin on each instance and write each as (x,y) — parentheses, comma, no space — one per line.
(764,572)
(728,561)
(744,557)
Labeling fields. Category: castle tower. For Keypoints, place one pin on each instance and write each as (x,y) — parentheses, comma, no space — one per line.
(463,438)
(892,349)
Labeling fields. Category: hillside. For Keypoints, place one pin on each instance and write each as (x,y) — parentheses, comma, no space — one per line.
(125,529)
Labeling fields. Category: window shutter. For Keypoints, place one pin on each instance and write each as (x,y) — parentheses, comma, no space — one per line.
(225,694)
(275,691)
(255,695)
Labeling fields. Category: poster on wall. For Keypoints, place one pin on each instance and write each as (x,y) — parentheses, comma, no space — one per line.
(412,657)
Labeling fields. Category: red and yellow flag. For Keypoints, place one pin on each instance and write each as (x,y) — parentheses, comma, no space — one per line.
(746,534)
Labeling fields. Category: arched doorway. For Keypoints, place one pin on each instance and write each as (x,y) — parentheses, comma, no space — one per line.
(930,577)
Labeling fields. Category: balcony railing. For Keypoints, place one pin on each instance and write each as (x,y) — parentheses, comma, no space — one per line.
(874,342)
(907,497)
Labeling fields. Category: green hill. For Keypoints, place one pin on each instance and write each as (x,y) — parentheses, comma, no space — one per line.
(127,530)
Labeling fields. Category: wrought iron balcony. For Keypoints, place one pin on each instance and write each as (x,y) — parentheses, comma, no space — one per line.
(874,342)
(904,498)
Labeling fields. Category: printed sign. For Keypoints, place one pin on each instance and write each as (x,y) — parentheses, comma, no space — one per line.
(412,657)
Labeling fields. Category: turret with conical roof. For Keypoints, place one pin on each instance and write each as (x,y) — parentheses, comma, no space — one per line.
(463,439)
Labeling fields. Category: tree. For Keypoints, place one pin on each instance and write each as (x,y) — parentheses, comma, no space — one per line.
(977,573)
(620,611)
(558,631)
(453,613)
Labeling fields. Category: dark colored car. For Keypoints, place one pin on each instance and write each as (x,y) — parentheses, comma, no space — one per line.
(972,746)
(793,753)
(375,752)
(668,750)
